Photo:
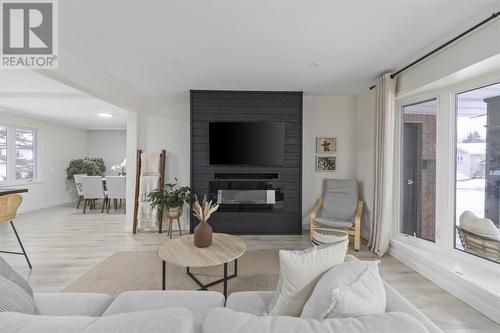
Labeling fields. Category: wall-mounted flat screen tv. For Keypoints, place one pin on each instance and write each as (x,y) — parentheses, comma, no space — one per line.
(246,143)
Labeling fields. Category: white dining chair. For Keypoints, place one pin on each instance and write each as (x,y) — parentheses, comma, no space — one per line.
(79,188)
(116,190)
(93,189)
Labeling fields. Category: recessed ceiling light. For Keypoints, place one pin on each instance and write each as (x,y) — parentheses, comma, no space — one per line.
(175,63)
(313,64)
(105,115)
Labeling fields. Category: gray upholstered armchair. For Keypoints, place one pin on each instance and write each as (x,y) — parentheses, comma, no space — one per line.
(339,208)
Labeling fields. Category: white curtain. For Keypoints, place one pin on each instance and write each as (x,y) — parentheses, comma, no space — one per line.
(385,122)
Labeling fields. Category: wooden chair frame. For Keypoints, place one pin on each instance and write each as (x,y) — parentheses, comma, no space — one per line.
(354,231)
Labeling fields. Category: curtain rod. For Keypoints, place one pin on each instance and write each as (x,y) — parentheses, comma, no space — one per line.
(486,20)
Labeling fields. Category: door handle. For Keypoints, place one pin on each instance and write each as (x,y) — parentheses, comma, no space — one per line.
(409,182)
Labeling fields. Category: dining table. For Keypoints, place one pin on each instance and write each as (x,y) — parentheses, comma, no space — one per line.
(7,191)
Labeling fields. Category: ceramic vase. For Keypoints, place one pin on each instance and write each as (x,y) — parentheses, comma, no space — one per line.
(203,234)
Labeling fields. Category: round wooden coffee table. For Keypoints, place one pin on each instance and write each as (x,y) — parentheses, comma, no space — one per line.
(182,252)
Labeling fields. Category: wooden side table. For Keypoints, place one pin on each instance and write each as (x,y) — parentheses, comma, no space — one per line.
(182,252)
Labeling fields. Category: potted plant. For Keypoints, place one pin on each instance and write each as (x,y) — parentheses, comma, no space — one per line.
(87,166)
(203,231)
(171,200)
(121,168)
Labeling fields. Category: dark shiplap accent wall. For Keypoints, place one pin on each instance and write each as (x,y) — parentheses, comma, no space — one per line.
(267,106)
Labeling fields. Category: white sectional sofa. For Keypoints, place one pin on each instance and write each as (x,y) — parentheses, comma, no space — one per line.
(132,311)
(181,312)
(151,305)
(199,303)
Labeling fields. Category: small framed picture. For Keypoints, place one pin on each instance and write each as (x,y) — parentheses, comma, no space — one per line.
(326,145)
(326,163)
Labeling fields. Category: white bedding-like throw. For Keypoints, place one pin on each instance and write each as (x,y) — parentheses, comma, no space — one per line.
(150,164)
(224,320)
(147,216)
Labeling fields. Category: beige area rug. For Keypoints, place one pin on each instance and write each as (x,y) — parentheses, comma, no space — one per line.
(123,271)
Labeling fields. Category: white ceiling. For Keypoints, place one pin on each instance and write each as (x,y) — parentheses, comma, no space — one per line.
(28,93)
(163,47)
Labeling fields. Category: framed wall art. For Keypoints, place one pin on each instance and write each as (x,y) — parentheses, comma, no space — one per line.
(326,163)
(326,145)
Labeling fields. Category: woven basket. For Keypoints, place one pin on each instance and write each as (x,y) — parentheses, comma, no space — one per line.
(480,245)
(327,236)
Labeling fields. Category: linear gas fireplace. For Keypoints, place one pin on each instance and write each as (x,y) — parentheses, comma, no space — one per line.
(247,195)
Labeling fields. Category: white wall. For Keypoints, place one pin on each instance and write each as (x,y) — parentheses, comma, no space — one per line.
(110,145)
(364,154)
(132,145)
(156,133)
(58,145)
(325,116)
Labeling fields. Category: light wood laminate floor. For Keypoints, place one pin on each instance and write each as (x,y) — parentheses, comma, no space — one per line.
(63,244)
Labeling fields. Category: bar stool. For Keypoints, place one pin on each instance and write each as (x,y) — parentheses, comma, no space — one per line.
(8,208)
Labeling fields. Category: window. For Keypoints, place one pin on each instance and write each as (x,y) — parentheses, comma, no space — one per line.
(3,153)
(25,153)
(17,153)
(477,176)
(418,165)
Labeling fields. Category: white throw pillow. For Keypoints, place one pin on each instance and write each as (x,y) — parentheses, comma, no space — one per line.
(225,320)
(351,289)
(477,225)
(299,272)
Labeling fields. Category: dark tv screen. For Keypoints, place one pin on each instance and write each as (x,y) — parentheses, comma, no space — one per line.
(246,143)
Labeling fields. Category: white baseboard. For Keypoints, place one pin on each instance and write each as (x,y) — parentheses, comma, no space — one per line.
(44,205)
(485,301)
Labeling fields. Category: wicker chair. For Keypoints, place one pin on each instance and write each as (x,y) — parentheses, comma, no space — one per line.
(8,209)
(480,245)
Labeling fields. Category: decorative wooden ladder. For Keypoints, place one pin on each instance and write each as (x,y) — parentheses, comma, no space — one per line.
(163,155)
